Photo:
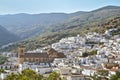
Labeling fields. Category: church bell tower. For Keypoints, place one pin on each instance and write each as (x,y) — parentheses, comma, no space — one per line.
(21,51)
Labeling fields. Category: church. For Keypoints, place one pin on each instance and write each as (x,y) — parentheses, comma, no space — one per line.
(38,57)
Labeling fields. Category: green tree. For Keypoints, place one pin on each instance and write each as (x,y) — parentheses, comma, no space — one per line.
(54,76)
(116,76)
(26,74)
(85,54)
(29,74)
(12,76)
(2,71)
(113,77)
(94,52)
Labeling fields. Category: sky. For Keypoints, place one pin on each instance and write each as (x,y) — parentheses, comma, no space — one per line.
(50,6)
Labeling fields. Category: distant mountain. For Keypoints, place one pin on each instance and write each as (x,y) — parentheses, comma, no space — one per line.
(76,13)
(27,25)
(87,21)
(6,36)
(75,23)
(108,7)
(82,20)
(44,40)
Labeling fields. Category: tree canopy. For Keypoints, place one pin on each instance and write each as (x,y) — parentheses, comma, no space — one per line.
(116,76)
(29,74)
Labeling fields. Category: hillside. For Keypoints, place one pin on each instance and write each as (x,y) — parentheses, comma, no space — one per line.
(6,36)
(95,16)
(44,40)
(98,20)
(27,25)
(55,36)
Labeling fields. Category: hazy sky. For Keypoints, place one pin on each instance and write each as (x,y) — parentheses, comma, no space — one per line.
(48,6)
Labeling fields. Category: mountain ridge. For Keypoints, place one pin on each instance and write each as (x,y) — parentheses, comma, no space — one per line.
(27,25)
(92,16)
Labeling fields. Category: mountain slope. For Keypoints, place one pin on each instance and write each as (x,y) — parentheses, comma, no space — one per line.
(99,15)
(6,37)
(53,37)
(90,21)
(23,24)
(44,40)
(98,20)
(27,25)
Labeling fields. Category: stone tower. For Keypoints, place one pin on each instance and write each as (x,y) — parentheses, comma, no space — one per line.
(21,51)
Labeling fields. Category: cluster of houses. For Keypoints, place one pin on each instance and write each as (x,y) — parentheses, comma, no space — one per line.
(102,52)
(106,56)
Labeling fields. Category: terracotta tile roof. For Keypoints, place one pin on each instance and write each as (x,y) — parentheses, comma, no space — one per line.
(51,53)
